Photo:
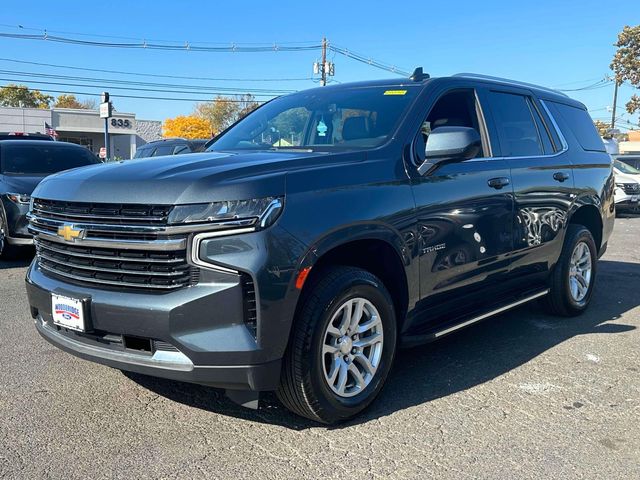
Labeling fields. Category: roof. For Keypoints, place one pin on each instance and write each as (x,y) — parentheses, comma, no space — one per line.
(47,143)
(540,91)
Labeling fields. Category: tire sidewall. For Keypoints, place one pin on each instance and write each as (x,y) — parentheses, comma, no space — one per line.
(379,297)
(582,235)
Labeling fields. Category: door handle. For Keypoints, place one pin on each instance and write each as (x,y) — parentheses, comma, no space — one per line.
(498,182)
(560,176)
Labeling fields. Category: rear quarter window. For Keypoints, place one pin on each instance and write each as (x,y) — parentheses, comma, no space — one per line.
(581,125)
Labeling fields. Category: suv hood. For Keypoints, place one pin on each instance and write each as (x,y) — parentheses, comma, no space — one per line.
(181,179)
(625,177)
(19,183)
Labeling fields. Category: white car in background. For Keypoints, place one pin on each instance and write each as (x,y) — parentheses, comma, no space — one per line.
(627,193)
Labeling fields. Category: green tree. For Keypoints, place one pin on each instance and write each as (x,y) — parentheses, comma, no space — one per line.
(70,101)
(222,112)
(13,95)
(626,62)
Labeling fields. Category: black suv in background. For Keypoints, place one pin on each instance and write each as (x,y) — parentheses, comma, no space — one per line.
(23,164)
(170,146)
(397,212)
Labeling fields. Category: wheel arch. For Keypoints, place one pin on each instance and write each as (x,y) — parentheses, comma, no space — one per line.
(376,248)
(588,214)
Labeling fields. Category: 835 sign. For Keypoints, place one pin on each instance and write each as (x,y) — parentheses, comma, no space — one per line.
(121,123)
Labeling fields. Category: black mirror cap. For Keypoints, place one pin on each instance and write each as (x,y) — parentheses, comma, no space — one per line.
(448,144)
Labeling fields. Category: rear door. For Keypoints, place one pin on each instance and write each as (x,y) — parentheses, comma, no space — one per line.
(542,178)
(464,220)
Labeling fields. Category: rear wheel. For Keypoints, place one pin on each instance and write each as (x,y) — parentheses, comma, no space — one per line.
(342,346)
(573,278)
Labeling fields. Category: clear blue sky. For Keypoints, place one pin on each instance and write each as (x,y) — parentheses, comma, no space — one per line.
(559,44)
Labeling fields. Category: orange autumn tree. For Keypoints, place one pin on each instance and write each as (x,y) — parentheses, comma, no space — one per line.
(186,126)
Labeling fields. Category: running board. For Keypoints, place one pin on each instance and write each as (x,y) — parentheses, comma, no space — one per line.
(418,339)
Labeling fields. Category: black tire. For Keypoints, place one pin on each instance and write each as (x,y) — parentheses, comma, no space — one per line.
(303,388)
(560,301)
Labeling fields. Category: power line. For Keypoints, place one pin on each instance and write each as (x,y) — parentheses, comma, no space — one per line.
(95,35)
(156,75)
(142,97)
(135,89)
(103,82)
(195,47)
(367,60)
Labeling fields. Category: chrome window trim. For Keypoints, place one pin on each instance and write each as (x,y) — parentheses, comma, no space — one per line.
(565,145)
(563,141)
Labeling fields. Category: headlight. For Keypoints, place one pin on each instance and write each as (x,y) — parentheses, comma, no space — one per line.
(19,198)
(620,185)
(263,210)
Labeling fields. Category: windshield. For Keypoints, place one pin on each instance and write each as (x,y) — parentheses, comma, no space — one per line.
(624,168)
(40,159)
(340,118)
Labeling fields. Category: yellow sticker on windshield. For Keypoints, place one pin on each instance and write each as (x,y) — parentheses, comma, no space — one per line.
(395,92)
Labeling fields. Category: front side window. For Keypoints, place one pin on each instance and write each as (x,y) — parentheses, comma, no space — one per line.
(515,124)
(40,160)
(456,108)
(323,119)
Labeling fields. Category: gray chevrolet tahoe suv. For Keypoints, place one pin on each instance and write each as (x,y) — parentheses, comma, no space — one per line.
(322,232)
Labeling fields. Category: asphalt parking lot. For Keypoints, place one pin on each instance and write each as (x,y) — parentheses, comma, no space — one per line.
(522,395)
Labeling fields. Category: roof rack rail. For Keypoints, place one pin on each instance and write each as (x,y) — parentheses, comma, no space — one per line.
(418,75)
(510,82)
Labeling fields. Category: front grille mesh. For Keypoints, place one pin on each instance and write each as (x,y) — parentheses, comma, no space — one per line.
(632,188)
(132,268)
(123,214)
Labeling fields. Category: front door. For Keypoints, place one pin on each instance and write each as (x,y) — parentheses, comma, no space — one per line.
(464,221)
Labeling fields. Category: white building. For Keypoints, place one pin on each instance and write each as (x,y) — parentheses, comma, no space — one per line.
(84,127)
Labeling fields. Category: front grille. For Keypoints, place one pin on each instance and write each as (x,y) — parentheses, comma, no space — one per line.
(129,268)
(118,245)
(116,213)
(631,188)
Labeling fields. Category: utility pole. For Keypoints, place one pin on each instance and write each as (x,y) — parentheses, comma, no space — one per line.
(323,65)
(324,68)
(613,107)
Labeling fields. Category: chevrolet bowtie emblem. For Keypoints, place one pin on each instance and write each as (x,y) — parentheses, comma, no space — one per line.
(69,233)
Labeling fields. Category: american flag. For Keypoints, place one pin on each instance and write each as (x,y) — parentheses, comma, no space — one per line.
(49,130)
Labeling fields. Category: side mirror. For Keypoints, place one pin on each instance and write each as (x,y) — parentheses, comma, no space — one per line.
(450,144)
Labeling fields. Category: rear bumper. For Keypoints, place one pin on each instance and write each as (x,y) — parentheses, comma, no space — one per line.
(203,325)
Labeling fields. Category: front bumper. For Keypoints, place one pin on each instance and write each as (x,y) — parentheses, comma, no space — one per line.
(626,202)
(17,225)
(203,323)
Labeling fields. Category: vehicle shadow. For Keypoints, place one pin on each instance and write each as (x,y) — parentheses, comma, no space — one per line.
(458,362)
(17,258)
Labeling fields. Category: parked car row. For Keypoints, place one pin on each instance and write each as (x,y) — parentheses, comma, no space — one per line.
(627,193)
(23,164)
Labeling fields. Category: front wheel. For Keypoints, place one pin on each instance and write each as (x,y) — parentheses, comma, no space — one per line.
(342,346)
(573,278)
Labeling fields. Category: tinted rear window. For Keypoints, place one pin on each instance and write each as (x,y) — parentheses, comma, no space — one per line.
(144,152)
(516,125)
(163,150)
(40,159)
(581,126)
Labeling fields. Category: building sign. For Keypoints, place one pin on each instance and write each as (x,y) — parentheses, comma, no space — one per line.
(121,123)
